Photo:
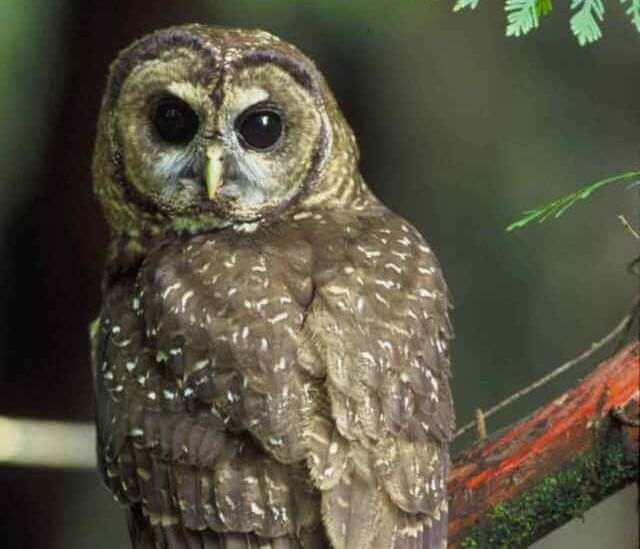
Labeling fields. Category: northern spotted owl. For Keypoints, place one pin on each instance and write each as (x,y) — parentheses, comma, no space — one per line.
(270,359)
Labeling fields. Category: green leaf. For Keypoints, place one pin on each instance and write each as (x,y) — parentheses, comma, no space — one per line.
(522,16)
(561,205)
(462,4)
(634,12)
(544,7)
(584,23)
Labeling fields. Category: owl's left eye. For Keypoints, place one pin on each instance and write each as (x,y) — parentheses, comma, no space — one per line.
(260,129)
(175,121)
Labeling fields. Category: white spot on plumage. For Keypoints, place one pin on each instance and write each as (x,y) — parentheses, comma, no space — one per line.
(382,299)
(369,253)
(204,268)
(386,345)
(200,365)
(423,292)
(279,318)
(388,284)
(170,289)
(403,256)
(231,261)
(367,356)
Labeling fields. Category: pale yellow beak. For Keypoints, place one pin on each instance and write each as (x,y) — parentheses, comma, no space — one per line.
(213,169)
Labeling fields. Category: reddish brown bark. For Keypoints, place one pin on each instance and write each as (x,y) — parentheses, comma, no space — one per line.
(514,460)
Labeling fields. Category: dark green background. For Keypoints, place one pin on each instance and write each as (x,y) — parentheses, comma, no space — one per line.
(460,129)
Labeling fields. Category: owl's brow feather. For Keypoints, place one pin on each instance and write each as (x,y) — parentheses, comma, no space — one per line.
(294,66)
(148,48)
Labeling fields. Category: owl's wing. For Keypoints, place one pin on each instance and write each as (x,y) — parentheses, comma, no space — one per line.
(378,329)
(200,407)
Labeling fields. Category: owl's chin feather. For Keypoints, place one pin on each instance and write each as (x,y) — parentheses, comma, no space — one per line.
(198,223)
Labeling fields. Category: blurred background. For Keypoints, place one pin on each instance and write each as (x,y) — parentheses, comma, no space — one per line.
(461,129)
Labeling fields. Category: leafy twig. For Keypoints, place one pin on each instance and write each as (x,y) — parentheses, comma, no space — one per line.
(561,205)
(633,11)
(522,16)
(584,23)
(462,4)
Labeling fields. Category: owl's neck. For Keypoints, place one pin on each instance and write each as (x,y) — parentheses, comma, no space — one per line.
(127,251)
(338,190)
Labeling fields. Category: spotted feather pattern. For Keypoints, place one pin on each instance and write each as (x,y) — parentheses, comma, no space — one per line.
(280,387)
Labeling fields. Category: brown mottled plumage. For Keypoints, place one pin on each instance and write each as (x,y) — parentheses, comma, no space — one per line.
(271,364)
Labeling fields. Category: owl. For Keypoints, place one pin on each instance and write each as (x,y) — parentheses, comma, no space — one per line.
(271,359)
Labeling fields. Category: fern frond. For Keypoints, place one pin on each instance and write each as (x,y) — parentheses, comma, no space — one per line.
(561,205)
(584,23)
(522,16)
(634,12)
(462,4)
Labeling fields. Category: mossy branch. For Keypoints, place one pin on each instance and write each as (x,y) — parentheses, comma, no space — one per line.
(521,483)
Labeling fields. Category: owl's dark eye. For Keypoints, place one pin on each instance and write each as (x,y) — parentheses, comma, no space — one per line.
(175,121)
(260,129)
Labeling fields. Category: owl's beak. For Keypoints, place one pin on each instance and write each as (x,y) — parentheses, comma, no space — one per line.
(213,169)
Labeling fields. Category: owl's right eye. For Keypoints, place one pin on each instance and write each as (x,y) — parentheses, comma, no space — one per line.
(175,121)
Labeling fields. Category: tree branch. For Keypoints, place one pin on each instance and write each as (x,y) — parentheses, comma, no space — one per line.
(525,481)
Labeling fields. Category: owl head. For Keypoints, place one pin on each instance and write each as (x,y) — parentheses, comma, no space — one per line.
(204,127)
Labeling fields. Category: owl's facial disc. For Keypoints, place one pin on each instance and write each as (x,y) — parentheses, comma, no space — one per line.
(222,137)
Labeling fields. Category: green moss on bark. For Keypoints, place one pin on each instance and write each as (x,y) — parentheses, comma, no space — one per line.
(557,498)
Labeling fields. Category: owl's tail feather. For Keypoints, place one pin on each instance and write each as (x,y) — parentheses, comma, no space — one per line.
(435,536)
(143,535)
